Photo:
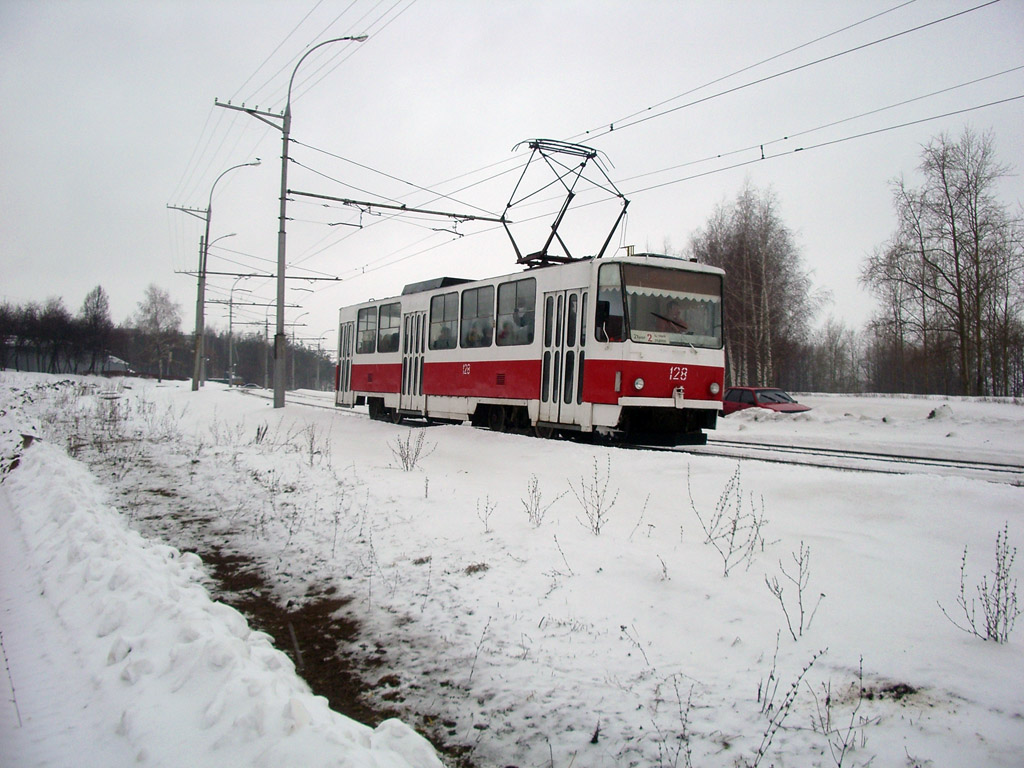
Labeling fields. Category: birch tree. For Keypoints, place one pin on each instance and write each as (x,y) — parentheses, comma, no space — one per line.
(160,319)
(951,274)
(768,297)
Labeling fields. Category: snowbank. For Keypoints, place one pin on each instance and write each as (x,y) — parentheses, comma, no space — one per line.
(125,649)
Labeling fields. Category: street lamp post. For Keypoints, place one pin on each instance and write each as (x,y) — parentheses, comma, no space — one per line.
(197,364)
(280,340)
(319,352)
(231,335)
(295,323)
(286,125)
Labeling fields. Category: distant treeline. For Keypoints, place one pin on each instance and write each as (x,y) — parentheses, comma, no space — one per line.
(50,339)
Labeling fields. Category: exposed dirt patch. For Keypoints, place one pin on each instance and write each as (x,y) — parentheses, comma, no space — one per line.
(315,636)
(312,633)
(894,691)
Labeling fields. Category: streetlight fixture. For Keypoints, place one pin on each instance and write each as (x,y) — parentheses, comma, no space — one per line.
(197,364)
(285,126)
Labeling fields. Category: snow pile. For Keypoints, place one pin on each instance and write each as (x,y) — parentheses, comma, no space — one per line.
(182,680)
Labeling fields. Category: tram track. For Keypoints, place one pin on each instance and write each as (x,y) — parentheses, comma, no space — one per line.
(861,460)
(844,459)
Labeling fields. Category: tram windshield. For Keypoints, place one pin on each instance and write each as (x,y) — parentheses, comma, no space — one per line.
(655,305)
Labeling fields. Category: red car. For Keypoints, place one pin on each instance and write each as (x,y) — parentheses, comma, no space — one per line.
(738,398)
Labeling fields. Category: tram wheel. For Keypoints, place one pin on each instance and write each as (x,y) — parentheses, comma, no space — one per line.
(544,431)
(376,409)
(496,418)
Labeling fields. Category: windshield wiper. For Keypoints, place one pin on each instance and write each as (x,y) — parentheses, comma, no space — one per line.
(670,320)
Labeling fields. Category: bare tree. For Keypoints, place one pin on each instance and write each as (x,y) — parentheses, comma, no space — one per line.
(57,336)
(96,325)
(8,332)
(950,276)
(768,294)
(160,319)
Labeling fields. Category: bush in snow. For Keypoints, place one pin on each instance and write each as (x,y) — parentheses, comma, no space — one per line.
(998,597)
(409,451)
(732,530)
(594,500)
(799,578)
(532,503)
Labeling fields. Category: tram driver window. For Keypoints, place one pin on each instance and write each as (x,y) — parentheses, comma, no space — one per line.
(608,323)
(477,316)
(516,312)
(366,331)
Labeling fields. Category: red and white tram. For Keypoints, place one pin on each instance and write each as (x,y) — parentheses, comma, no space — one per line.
(626,346)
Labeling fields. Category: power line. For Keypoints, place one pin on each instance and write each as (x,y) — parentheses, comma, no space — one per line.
(378,264)
(370,30)
(830,142)
(832,124)
(751,66)
(791,70)
(438,195)
(284,40)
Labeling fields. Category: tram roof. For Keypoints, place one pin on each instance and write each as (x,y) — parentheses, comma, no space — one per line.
(436,282)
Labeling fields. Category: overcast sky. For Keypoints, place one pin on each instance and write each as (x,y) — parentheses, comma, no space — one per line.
(109,117)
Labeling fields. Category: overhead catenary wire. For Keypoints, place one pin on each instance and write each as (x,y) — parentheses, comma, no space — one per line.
(284,40)
(832,124)
(747,68)
(385,174)
(203,161)
(380,263)
(770,77)
(371,29)
(507,160)
(832,142)
(647,117)
(821,60)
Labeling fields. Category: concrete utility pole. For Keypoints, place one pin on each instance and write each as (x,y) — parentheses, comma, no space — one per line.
(285,126)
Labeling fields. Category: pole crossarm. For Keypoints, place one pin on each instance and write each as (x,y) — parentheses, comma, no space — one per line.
(259,114)
(199,213)
(402,208)
(248,303)
(262,274)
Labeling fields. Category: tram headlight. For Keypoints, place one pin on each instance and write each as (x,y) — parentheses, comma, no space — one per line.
(638,384)
(714,388)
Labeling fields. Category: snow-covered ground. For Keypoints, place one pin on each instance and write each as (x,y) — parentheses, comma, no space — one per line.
(598,631)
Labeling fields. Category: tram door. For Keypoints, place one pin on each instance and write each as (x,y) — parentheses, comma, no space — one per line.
(561,387)
(414,340)
(346,334)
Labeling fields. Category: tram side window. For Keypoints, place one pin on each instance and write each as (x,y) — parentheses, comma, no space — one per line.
(390,318)
(608,324)
(517,303)
(366,328)
(477,316)
(444,321)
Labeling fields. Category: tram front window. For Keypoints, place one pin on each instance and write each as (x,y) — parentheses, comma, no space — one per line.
(672,306)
